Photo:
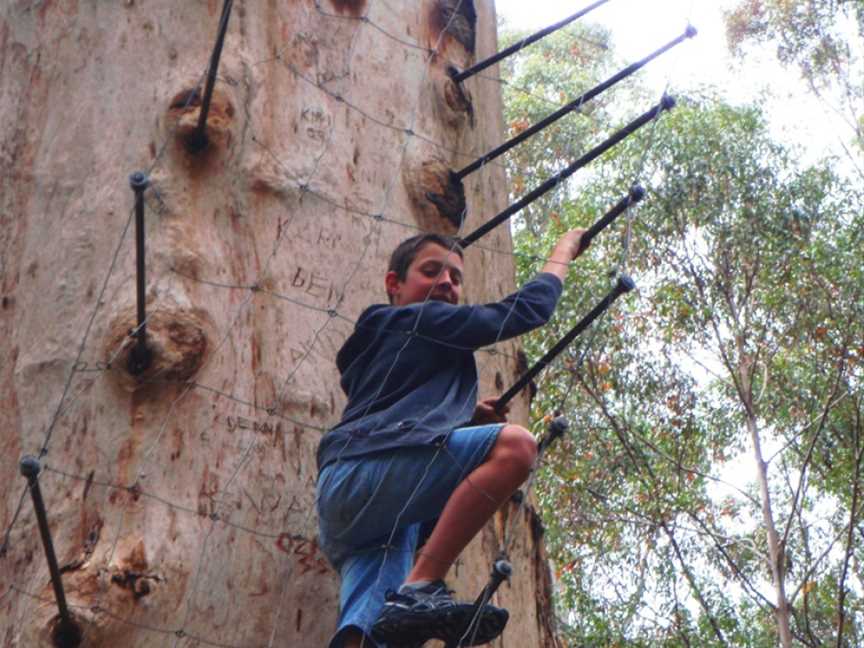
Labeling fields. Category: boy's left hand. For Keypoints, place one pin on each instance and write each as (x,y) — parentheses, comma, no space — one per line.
(485,412)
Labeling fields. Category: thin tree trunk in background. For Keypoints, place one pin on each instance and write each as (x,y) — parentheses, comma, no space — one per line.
(776,552)
(739,371)
(181,502)
(850,542)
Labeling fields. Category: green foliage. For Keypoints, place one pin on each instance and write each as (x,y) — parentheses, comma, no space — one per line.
(568,63)
(822,38)
(746,335)
(808,34)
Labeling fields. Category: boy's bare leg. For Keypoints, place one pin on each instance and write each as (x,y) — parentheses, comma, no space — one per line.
(475,501)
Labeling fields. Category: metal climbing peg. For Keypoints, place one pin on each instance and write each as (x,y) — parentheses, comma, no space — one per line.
(141,356)
(67,632)
(570,107)
(667,103)
(501,570)
(198,139)
(624,285)
(635,195)
(458,77)
(557,428)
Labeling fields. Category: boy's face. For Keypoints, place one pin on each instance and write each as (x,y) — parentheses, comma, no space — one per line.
(435,273)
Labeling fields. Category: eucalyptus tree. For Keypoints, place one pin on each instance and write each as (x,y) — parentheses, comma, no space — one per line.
(709,493)
(180,484)
(823,40)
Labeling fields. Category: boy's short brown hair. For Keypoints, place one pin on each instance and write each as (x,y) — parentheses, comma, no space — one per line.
(407,251)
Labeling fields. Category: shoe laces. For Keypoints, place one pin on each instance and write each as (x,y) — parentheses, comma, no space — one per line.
(394,595)
(440,587)
(437,590)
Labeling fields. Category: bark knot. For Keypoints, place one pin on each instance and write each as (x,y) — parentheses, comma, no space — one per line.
(175,336)
(436,195)
(456,19)
(352,7)
(183,115)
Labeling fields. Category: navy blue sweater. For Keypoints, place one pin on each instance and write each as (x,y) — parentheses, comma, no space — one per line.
(409,371)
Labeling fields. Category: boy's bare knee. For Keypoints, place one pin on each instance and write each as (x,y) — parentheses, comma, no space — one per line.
(517,447)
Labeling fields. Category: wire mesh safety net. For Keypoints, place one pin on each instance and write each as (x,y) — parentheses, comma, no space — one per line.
(374,223)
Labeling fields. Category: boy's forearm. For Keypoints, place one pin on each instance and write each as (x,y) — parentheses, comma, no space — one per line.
(558,263)
(568,248)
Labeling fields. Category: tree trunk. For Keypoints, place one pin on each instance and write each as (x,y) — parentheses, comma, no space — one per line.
(181,499)
(776,550)
(742,374)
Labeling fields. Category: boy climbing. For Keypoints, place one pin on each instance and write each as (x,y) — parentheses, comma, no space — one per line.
(416,467)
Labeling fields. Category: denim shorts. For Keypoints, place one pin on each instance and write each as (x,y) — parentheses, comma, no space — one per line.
(374,512)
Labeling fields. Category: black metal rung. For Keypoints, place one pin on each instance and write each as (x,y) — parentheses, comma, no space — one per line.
(501,570)
(635,195)
(67,631)
(557,428)
(574,105)
(459,77)
(140,357)
(667,103)
(198,139)
(625,284)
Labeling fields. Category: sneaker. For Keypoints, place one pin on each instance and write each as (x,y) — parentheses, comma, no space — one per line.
(413,616)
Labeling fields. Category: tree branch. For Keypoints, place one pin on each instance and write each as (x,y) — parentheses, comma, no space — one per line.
(755,594)
(702,602)
(809,455)
(856,484)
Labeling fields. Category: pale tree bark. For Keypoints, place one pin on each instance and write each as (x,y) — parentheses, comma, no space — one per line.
(181,501)
(776,548)
(740,365)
